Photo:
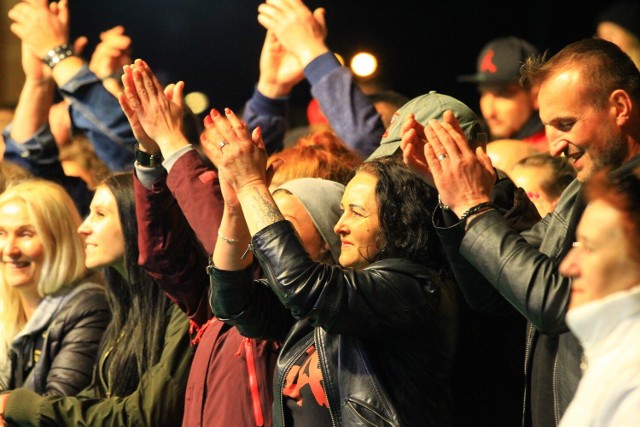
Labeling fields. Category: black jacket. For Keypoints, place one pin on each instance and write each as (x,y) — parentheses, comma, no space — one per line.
(385,335)
(70,348)
(519,269)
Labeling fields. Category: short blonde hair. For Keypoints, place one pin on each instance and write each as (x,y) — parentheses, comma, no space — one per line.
(56,220)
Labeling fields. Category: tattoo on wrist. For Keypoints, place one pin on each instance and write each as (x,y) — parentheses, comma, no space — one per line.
(269,212)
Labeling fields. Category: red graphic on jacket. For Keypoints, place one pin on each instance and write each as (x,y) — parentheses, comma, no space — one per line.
(305,374)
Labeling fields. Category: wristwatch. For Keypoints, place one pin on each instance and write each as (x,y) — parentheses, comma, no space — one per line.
(58,54)
(148,159)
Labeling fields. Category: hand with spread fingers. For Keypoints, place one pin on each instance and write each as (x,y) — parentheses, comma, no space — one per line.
(155,114)
(463,178)
(40,24)
(300,31)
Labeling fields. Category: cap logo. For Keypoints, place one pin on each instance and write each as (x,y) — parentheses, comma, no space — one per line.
(487,63)
(393,120)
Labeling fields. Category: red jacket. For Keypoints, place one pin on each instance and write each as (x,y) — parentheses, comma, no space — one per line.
(230,383)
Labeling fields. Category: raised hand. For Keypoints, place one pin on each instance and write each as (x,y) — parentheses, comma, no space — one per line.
(280,70)
(112,53)
(412,146)
(300,31)
(40,25)
(463,178)
(155,114)
(241,157)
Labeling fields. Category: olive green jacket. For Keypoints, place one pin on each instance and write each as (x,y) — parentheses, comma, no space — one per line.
(158,400)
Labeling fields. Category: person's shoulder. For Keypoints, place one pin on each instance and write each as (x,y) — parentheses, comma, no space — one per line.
(87,297)
(401,269)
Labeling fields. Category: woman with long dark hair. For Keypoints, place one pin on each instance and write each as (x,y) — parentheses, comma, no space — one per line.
(367,342)
(145,355)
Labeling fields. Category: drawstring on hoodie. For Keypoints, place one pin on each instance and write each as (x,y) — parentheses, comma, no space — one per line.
(199,330)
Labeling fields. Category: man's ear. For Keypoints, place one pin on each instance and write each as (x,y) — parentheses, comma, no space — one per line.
(621,101)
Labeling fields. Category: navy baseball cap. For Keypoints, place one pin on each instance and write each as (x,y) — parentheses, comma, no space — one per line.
(500,60)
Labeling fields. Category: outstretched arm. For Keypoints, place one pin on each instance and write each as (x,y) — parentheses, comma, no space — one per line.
(169,250)
(303,32)
(517,265)
(280,71)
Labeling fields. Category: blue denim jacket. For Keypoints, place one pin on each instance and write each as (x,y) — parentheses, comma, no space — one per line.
(351,115)
(39,155)
(97,112)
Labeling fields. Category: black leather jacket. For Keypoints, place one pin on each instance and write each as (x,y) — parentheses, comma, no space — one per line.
(520,269)
(70,348)
(385,335)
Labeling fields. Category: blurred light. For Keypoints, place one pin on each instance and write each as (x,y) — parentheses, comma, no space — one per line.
(197,101)
(364,64)
(340,58)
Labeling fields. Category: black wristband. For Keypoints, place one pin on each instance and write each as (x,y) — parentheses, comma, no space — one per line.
(480,207)
(147,159)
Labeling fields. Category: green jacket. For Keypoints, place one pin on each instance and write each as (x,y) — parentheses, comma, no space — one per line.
(158,400)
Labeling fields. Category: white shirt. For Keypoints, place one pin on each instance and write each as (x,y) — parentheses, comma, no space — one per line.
(609,391)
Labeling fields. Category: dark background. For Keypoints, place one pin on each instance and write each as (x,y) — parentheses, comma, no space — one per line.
(214,45)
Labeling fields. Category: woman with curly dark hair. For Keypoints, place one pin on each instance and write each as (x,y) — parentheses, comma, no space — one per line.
(368,342)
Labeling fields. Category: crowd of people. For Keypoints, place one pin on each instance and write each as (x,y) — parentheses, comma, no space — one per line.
(369,269)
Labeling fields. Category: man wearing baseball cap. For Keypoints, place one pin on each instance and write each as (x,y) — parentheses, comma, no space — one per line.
(509,109)
(620,24)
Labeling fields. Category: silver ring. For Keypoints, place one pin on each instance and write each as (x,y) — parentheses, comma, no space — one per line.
(222,143)
(442,156)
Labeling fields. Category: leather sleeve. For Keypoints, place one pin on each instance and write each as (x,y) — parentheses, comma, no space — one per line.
(526,277)
(519,213)
(388,297)
(249,305)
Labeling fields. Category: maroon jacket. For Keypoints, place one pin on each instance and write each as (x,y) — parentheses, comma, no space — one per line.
(230,383)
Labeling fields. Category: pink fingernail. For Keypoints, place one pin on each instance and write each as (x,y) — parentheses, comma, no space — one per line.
(207,120)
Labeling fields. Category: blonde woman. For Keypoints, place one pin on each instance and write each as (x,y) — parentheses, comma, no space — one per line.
(53,310)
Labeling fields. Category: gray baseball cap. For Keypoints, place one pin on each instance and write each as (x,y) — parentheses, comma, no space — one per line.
(426,107)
